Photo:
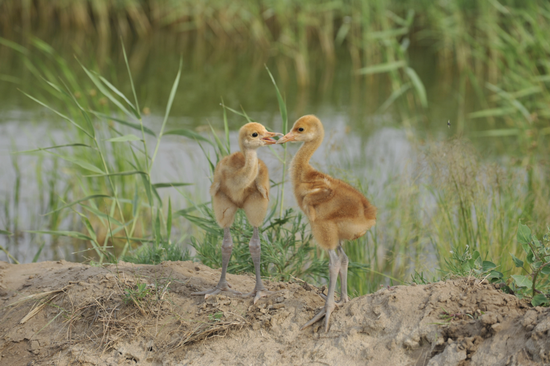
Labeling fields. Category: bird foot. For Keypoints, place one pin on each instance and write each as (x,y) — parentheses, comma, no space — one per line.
(216,290)
(330,306)
(258,294)
(342,301)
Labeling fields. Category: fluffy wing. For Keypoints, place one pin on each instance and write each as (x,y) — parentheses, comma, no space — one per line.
(315,194)
(262,180)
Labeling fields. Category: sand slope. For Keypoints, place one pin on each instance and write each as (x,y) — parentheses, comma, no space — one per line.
(61,313)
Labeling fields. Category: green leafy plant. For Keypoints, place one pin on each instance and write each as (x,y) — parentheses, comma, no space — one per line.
(136,294)
(288,249)
(216,317)
(467,262)
(536,282)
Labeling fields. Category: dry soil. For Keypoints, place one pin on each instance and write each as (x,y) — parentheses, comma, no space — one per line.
(61,313)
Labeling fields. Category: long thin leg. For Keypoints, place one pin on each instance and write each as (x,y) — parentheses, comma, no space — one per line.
(255,252)
(227,247)
(334,268)
(343,274)
(344,261)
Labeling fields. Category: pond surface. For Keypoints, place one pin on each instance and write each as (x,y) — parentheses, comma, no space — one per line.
(368,143)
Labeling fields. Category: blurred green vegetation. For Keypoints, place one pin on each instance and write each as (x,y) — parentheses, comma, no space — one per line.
(454,201)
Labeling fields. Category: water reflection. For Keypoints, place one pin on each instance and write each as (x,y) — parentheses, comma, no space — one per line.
(362,141)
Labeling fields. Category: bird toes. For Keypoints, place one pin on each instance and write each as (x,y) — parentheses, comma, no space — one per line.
(326,311)
(216,290)
(314,319)
(258,294)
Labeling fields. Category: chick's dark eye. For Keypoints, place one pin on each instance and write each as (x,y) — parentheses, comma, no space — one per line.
(255,134)
(301,129)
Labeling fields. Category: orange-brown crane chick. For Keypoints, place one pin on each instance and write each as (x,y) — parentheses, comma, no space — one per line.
(336,211)
(241,180)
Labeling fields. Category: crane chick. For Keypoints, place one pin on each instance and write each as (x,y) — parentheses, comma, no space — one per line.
(241,181)
(336,211)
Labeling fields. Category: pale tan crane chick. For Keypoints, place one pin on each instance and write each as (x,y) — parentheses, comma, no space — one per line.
(241,181)
(336,211)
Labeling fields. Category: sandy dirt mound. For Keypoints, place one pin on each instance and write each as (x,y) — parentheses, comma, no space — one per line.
(61,313)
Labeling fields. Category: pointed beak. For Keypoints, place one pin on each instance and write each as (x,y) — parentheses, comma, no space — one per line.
(267,139)
(286,138)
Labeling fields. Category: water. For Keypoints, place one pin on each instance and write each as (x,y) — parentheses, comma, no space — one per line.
(361,140)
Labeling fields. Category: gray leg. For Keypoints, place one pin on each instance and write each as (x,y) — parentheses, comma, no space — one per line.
(330,305)
(227,247)
(255,252)
(343,276)
(344,261)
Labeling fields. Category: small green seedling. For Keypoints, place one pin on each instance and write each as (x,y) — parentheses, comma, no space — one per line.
(215,317)
(536,283)
(137,294)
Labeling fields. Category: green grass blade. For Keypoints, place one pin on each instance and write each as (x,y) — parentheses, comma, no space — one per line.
(14,46)
(131,79)
(234,111)
(205,224)
(89,227)
(59,114)
(158,235)
(98,213)
(132,172)
(390,33)
(280,100)
(125,138)
(246,115)
(119,93)
(393,97)
(284,117)
(43,46)
(135,201)
(188,133)
(37,255)
(169,221)
(120,228)
(168,108)
(84,113)
(219,144)
(515,103)
(135,126)
(5,232)
(10,79)
(376,69)
(82,163)
(72,234)
(147,186)
(156,193)
(226,129)
(8,254)
(53,147)
(55,87)
(418,85)
(104,90)
(93,196)
(493,112)
(167,185)
(188,210)
(498,133)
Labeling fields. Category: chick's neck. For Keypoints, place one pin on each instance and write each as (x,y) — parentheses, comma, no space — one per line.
(300,162)
(249,171)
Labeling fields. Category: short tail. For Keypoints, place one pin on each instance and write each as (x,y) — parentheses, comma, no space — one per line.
(369,210)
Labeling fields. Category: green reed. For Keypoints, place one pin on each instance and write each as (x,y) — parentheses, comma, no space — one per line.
(110,185)
(511,31)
